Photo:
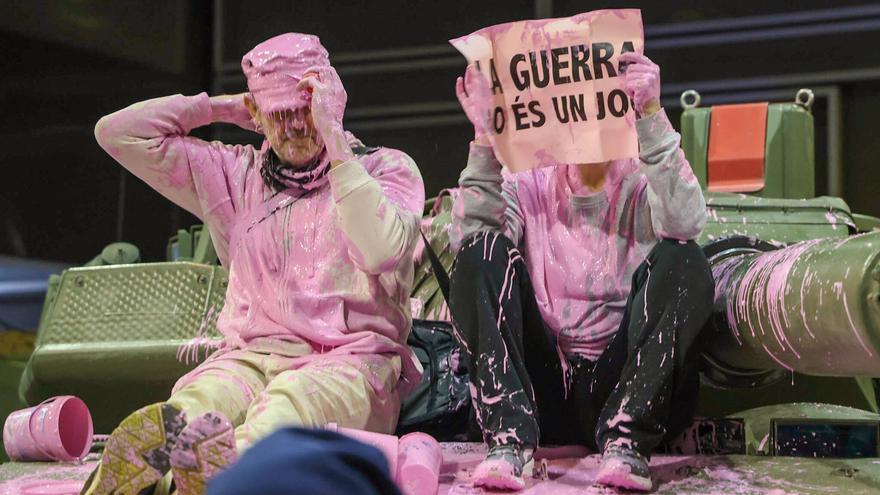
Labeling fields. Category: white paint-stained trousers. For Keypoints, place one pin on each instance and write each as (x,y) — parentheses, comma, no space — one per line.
(273,384)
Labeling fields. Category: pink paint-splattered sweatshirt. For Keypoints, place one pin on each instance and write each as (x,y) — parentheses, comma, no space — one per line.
(582,249)
(332,267)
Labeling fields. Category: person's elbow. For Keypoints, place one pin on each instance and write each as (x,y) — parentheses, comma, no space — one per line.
(378,260)
(692,228)
(102,131)
(687,226)
(108,135)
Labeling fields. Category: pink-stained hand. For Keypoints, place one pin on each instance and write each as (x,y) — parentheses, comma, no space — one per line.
(475,96)
(232,110)
(328,106)
(641,81)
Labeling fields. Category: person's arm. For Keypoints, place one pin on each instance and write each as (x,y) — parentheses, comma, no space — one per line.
(487,202)
(379,213)
(379,210)
(678,209)
(151,140)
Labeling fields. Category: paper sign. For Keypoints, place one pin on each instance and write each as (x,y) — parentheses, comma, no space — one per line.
(558,97)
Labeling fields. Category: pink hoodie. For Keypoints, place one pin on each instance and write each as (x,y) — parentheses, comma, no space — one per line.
(331,267)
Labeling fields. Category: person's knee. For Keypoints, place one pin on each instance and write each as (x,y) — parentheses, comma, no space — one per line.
(685,262)
(675,251)
(269,411)
(324,392)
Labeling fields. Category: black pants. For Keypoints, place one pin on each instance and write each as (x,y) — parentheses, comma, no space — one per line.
(643,388)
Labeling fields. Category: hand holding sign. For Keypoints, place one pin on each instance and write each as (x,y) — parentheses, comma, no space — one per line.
(475,96)
(558,89)
(642,82)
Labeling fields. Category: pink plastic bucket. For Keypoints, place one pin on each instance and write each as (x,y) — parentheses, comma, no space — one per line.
(387,444)
(418,471)
(58,429)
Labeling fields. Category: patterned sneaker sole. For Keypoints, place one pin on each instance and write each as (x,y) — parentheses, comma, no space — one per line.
(616,473)
(497,475)
(205,447)
(136,455)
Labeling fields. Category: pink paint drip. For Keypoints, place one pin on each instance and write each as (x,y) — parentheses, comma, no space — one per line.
(855,330)
(832,220)
(647,284)
(620,416)
(509,273)
(779,361)
(492,247)
(762,289)
(567,372)
(807,280)
(189,351)
(721,273)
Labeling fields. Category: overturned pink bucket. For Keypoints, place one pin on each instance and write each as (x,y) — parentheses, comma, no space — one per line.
(58,429)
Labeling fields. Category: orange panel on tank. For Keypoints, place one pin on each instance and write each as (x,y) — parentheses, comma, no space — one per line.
(736,147)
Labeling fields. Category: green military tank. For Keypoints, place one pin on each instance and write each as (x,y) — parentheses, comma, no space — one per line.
(789,397)
(796,316)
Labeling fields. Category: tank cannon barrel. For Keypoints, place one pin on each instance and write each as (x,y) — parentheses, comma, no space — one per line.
(812,307)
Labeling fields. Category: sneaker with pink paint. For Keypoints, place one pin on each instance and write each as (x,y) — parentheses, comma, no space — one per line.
(204,448)
(136,456)
(625,468)
(502,469)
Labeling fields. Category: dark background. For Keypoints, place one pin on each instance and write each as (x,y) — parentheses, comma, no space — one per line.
(67,63)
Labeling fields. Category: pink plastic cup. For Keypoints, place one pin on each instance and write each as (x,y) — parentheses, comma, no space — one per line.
(418,471)
(58,429)
(387,444)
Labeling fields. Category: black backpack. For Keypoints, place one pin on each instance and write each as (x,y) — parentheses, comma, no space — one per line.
(441,404)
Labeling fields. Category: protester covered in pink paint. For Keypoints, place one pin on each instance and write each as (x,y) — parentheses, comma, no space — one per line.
(317,231)
(579,294)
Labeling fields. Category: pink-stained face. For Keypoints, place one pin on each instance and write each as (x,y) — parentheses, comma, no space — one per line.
(292,135)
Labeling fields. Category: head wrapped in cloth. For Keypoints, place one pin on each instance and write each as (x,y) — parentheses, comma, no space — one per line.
(274,67)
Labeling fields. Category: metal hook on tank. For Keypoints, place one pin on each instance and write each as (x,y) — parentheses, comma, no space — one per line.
(690,99)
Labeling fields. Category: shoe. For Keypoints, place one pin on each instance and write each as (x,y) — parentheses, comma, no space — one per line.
(625,468)
(502,469)
(204,448)
(136,456)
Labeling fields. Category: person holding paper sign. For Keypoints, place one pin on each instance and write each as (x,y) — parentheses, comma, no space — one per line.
(578,294)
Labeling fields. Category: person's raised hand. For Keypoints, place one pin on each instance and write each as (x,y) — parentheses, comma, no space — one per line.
(641,81)
(327,107)
(475,96)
